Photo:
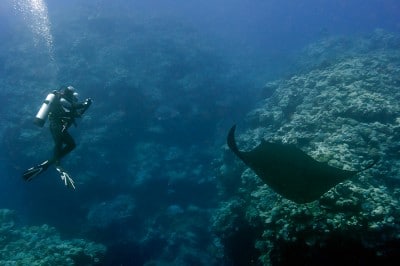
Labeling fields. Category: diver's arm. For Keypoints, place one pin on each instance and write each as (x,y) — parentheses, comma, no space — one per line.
(76,110)
(66,104)
(81,108)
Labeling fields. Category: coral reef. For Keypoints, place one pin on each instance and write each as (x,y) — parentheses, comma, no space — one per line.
(346,114)
(42,245)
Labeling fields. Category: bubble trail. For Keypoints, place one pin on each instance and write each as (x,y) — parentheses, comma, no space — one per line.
(36,14)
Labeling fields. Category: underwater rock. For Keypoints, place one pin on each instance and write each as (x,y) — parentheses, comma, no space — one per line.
(106,213)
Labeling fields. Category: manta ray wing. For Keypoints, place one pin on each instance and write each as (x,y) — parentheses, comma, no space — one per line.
(289,171)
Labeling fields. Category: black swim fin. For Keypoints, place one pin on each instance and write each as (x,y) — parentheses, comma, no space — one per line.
(36,170)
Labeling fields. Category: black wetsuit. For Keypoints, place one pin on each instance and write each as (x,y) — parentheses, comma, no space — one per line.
(62,115)
(64,110)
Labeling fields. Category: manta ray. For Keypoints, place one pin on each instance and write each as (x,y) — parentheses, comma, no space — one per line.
(289,171)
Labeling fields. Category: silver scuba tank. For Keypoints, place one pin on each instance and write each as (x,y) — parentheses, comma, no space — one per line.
(44,110)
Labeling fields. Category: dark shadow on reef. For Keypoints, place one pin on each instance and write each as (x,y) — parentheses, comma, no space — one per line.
(239,248)
(338,250)
(130,253)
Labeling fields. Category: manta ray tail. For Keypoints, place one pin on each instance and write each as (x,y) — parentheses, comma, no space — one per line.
(231,141)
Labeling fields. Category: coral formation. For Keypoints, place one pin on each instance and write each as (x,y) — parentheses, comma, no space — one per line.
(42,245)
(345,113)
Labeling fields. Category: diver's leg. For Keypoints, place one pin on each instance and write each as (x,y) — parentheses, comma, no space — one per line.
(69,144)
(57,134)
(63,144)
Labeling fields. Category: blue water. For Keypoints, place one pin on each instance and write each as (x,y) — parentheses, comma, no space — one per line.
(167,79)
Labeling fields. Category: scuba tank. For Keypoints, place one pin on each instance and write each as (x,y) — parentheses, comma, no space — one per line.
(44,110)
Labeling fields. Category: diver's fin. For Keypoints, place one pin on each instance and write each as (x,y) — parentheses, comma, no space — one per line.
(36,170)
(65,177)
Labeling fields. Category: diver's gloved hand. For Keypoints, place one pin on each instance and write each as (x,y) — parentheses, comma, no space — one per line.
(68,181)
(88,102)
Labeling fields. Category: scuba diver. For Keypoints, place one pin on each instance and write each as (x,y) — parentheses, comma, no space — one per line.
(62,108)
